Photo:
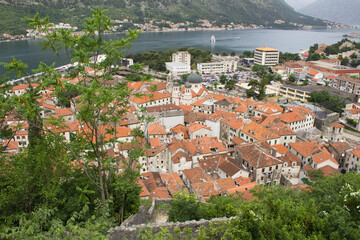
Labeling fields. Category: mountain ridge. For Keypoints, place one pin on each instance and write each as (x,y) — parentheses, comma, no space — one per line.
(345,11)
(264,12)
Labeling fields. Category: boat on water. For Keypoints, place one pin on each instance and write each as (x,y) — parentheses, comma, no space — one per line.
(212,39)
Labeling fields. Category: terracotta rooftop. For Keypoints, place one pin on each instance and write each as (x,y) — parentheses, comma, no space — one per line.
(341,147)
(256,156)
(280,148)
(196,126)
(306,149)
(258,132)
(156,129)
(180,129)
(196,175)
(337,125)
(160,193)
(291,117)
(173,183)
(176,158)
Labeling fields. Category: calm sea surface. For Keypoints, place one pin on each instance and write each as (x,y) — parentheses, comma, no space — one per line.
(229,41)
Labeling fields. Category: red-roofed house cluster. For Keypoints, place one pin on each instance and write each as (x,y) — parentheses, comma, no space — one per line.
(205,143)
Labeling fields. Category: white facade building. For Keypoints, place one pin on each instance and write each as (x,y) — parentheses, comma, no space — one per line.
(181,57)
(217,67)
(266,56)
(177,68)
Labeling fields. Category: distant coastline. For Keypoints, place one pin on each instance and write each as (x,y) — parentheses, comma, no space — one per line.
(194,30)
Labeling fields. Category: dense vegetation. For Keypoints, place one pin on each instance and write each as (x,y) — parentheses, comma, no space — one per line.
(325,99)
(223,12)
(327,209)
(62,189)
(336,49)
(156,60)
(287,57)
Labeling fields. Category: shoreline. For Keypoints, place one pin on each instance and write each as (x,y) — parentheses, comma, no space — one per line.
(202,30)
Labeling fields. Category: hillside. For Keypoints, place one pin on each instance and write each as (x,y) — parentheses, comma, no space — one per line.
(345,11)
(296,4)
(263,12)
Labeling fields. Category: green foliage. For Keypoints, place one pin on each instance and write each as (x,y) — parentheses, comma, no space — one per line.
(335,48)
(215,84)
(313,48)
(345,61)
(351,121)
(156,60)
(355,63)
(60,189)
(305,83)
(260,70)
(220,12)
(134,77)
(292,78)
(286,57)
(230,84)
(353,56)
(329,209)
(247,54)
(223,79)
(258,88)
(184,207)
(314,57)
(325,99)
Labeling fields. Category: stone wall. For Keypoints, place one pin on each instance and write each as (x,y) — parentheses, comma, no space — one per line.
(144,219)
(132,232)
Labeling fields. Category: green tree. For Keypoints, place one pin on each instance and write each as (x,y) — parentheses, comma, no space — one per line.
(232,54)
(345,61)
(353,56)
(223,79)
(184,207)
(314,57)
(230,84)
(215,84)
(247,54)
(98,110)
(292,78)
(305,83)
(260,70)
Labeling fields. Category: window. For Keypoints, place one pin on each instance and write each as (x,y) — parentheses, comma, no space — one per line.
(263,170)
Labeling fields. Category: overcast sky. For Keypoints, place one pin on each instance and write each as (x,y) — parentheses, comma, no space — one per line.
(298,4)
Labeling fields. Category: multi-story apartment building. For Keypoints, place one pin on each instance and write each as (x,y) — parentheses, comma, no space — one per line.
(346,84)
(181,57)
(266,56)
(217,67)
(294,92)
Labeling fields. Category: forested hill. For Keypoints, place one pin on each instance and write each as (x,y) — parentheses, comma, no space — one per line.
(345,11)
(263,12)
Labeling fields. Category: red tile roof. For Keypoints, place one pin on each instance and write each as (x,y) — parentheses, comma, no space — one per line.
(196,126)
(156,129)
(337,125)
(180,129)
(258,132)
(306,149)
(173,183)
